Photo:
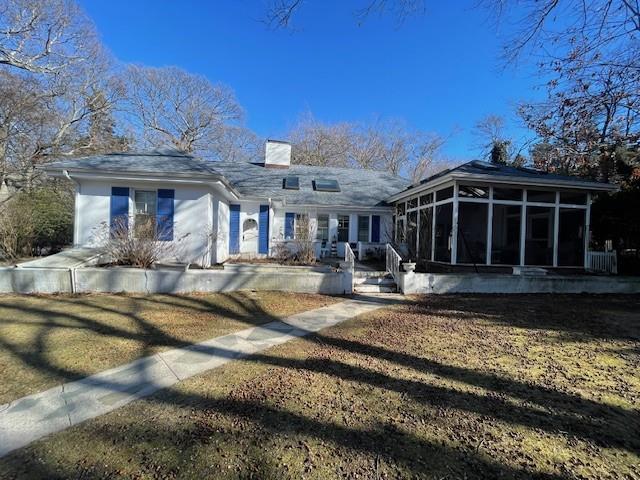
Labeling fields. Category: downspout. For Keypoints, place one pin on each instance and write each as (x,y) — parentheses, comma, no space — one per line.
(72,270)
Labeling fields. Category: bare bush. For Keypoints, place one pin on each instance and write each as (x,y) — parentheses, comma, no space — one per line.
(140,246)
(305,235)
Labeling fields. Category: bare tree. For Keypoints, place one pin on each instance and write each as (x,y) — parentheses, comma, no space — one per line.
(382,144)
(44,36)
(590,55)
(280,13)
(317,143)
(171,106)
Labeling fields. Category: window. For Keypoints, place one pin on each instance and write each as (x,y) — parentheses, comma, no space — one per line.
(291,183)
(539,236)
(541,196)
(326,185)
(472,232)
(413,203)
(444,194)
(322,230)
(505,243)
(426,227)
(343,228)
(470,191)
(513,194)
(400,209)
(399,234)
(412,233)
(426,199)
(145,219)
(571,237)
(444,214)
(363,228)
(302,227)
(573,198)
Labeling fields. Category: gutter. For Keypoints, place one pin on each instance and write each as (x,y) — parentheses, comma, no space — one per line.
(525,182)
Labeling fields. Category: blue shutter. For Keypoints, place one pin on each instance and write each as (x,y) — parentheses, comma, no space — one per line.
(289,219)
(234,229)
(119,206)
(165,214)
(263,233)
(375,228)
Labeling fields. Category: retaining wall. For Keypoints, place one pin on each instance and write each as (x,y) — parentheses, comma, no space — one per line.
(133,280)
(437,283)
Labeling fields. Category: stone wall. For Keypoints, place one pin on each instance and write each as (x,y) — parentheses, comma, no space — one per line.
(438,283)
(133,280)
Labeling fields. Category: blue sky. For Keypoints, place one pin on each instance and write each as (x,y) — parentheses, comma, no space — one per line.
(440,72)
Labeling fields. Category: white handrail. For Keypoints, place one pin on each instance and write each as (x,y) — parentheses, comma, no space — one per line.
(393,260)
(604,262)
(349,256)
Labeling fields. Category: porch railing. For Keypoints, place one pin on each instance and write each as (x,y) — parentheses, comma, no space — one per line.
(393,262)
(602,262)
(349,256)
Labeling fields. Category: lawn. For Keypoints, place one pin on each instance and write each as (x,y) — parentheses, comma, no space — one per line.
(48,339)
(444,387)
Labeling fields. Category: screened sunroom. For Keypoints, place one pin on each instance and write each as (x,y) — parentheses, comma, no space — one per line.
(484,214)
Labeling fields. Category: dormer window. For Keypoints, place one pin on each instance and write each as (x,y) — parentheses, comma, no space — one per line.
(291,183)
(326,185)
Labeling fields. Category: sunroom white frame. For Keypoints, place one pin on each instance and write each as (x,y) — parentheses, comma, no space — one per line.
(490,201)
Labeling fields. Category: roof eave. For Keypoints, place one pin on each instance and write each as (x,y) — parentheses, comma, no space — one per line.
(506,179)
(58,171)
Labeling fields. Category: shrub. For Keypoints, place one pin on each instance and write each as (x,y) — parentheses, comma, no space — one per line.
(139,246)
(36,221)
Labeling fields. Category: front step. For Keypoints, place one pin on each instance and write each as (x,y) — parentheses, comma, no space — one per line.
(368,288)
(373,281)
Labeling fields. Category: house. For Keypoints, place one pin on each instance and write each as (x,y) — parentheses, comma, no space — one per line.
(476,214)
(218,210)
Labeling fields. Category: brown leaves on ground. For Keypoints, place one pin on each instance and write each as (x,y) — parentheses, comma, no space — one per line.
(444,387)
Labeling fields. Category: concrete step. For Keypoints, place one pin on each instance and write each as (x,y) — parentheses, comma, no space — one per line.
(367,288)
(369,273)
(374,281)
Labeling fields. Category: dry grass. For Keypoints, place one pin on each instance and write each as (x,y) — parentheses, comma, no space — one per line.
(48,339)
(447,387)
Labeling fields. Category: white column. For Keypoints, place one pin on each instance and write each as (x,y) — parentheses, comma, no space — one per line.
(489,225)
(523,226)
(556,225)
(454,226)
(333,226)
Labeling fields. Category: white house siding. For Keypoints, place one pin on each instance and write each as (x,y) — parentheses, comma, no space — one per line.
(192,215)
(221,225)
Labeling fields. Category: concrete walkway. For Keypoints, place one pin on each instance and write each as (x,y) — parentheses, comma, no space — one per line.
(71,258)
(30,418)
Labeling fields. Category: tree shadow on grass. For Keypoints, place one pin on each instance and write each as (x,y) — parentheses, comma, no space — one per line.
(540,408)
(570,315)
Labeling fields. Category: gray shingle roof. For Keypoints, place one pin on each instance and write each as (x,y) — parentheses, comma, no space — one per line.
(476,167)
(358,188)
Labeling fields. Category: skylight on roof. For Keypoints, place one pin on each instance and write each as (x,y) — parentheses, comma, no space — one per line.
(291,183)
(326,185)
(484,165)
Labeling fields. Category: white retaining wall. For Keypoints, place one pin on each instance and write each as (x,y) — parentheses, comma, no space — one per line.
(134,280)
(436,283)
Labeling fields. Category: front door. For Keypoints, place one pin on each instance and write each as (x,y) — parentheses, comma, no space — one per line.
(249,236)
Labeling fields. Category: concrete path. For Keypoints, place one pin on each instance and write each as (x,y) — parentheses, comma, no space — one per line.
(30,418)
(71,258)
